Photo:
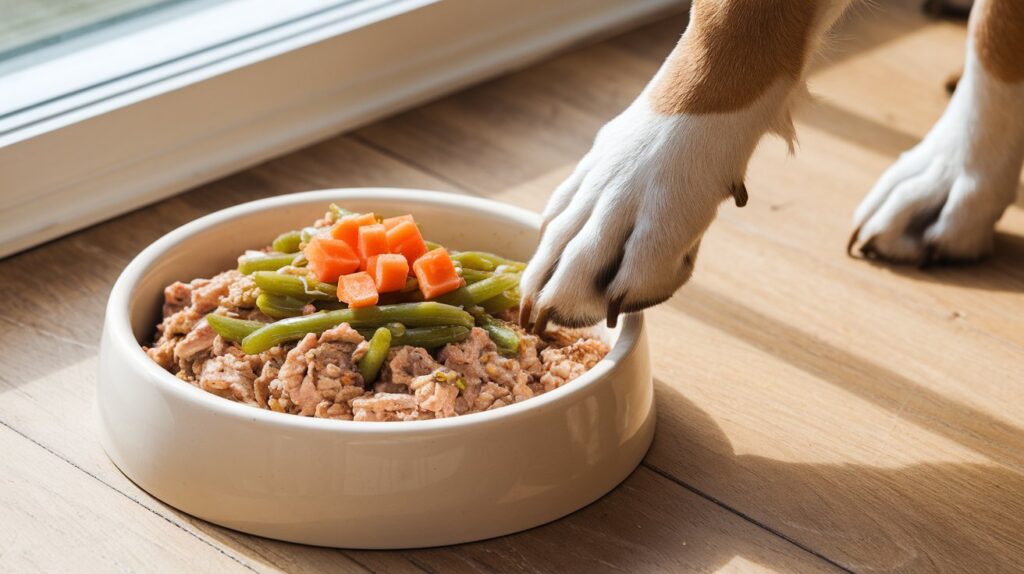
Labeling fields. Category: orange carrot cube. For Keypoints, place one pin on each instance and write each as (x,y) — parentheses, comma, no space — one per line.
(330,258)
(373,240)
(393,221)
(405,239)
(357,290)
(389,271)
(436,273)
(347,228)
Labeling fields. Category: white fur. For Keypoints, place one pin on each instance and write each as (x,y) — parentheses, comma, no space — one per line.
(942,198)
(657,180)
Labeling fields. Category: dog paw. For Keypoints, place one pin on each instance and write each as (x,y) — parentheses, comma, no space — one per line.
(928,208)
(941,200)
(622,232)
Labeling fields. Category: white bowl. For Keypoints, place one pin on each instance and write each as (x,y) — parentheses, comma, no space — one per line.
(361,484)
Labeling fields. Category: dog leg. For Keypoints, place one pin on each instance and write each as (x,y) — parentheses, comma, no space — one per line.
(941,200)
(622,232)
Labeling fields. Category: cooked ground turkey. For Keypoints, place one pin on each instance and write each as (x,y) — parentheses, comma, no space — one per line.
(319,377)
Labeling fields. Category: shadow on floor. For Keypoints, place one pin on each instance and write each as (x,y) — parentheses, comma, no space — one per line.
(924,517)
(1002,271)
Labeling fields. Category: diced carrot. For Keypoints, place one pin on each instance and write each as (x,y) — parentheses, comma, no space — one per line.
(357,289)
(405,239)
(393,221)
(436,273)
(347,228)
(373,240)
(389,271)
(330,258)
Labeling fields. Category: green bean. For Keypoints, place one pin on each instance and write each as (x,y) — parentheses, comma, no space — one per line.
(473,275)
(504,337)
(231,328)
(428,314)
(280,306)
(502,301)
(296,286)
(250,263)
(483,261)
(411,284)
(397,330)
(480,291)
(287,242)
(375,356)
(432,337)
(492,286)
(432,246)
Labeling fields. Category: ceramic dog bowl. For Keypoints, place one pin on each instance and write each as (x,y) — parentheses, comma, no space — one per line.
(361,484)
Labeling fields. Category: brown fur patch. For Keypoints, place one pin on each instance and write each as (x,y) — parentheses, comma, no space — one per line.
(732,51)
(999,38)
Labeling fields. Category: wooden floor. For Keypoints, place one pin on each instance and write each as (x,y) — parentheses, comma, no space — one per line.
(816,413)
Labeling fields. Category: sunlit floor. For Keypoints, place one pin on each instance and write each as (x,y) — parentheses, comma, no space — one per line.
(816,412)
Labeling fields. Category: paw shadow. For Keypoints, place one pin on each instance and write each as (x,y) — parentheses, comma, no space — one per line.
(1002,271)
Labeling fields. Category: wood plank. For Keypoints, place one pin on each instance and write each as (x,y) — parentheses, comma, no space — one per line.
(57,518)
(647,524)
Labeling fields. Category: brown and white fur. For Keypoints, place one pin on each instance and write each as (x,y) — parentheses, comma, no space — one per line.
(623,231)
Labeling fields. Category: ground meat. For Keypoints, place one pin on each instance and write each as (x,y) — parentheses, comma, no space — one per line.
(177,296)
(198,340)
(162,353)
(491,396)
(563,364)
(315,372)
(405,364)
(272,360)
(382,407)
(436,393)
(230,376)
(183,336)
(464,357)
(242,293)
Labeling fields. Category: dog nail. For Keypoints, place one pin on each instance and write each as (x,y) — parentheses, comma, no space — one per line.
(525,310)
(542,321)
(613,312)
(853,240)
(739,193)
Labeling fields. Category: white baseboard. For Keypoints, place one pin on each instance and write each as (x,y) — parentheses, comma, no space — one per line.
(196,131)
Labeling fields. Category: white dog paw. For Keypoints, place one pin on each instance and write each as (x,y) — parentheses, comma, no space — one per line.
(928,207)
(941,200)
(622,232)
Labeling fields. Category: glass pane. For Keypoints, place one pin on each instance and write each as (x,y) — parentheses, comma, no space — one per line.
(36,26)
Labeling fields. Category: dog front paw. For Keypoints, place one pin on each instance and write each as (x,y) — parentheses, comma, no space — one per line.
(622,232)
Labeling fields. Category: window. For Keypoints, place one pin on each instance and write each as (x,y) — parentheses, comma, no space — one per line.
(106,105)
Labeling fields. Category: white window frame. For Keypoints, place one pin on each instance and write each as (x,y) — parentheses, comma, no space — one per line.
(131,139)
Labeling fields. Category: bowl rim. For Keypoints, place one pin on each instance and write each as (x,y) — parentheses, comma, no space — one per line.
(117,320)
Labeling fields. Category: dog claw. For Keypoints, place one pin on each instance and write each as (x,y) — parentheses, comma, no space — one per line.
(525,310)
(613,312)
(853,240)
(739,193)
(542,321)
